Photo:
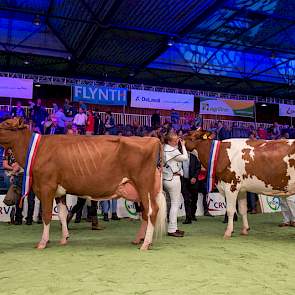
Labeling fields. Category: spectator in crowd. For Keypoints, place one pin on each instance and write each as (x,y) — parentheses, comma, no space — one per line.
(90,123)
(172,170)
(253,135)
(156,120)
(285,135)
(288,211)
(61,120)
(54,108)
(80,120)
(186,126)
(189,189)
(106,206)
(18,111)
(198,121)
(262,133)
(252,197)
(175,117)
(110,123)
(275,131)
(13,176)
(98,124)
(31,109)
(83,106)
(72,129)
(39,115)
(202,189)
(68,108)
(221,131)
(52,128)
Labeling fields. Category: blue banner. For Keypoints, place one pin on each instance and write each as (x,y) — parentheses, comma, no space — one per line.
(100,95)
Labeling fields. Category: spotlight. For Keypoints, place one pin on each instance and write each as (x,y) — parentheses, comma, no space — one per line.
(264,105)
(37,21)
(26,62)
(37,85)
(131,74)
(170,42)
(218,82)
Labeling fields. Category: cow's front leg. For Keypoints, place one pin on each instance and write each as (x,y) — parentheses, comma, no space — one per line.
(62,214)
(46,201)
(231,200)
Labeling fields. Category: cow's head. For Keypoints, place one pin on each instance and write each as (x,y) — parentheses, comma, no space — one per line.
(195,138)
(8,129)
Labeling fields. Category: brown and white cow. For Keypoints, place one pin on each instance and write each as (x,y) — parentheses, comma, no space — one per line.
(259,166)
(102,167)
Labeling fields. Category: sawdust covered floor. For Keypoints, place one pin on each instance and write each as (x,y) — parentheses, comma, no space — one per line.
(105,262)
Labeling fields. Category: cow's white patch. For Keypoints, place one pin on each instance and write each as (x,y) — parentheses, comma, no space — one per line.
(61,191)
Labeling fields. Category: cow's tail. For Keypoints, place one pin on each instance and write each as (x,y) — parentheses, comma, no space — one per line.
(160,226)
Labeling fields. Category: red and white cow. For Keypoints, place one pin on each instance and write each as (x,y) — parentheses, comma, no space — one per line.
(259,166)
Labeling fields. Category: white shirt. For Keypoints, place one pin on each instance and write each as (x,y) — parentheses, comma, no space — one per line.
(173,159)
(80,119)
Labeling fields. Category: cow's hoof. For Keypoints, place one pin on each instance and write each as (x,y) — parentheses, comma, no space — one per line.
(245,231)
(227,236)
(41,245)
(63,241)
(145,247)
(137,241)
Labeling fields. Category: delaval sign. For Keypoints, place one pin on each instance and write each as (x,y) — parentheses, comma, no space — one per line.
(287,110)
(162,100)
(99,95)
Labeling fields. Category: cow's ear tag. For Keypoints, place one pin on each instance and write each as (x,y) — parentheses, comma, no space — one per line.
(205,136)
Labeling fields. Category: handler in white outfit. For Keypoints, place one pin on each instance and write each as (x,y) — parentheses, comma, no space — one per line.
(288,211)
(172,171)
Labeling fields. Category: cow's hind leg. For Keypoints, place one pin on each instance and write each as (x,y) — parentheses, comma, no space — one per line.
(62,214)
(231,199)
(151,221)
(242,199)
(141,232)
(46,199)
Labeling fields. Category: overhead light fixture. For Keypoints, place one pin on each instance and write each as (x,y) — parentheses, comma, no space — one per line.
(170,42)
(37,85)
(37,21)
(26,62)
(218,82)
(264,105)
(131,74)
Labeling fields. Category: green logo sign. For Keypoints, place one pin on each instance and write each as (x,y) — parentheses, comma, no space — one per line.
(274,203)
(130,207)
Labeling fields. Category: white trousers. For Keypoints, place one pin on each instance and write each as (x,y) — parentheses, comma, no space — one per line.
(173,187)
(288,209)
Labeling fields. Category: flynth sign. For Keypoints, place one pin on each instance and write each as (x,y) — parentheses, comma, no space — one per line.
(99,95)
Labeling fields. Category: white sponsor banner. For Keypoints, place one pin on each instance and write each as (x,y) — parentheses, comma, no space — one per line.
(16,88)
(124,209)
(287,110)
(269,204)
(162,100)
